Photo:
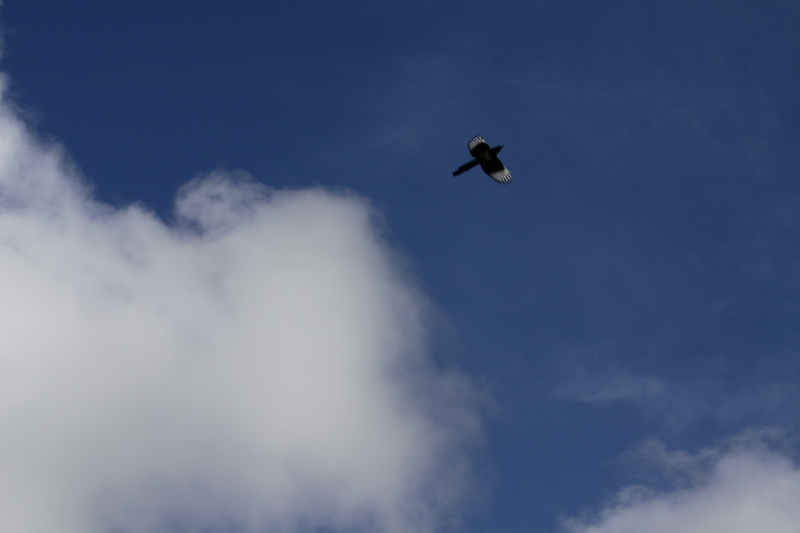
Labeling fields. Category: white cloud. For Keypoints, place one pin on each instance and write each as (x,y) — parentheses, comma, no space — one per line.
(260,363)
(612,387)
(742,488)
(675,404)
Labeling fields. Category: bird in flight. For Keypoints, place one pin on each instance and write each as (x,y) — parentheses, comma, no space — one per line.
(487,158)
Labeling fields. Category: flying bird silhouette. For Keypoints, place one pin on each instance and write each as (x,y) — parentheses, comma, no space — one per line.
(487,158)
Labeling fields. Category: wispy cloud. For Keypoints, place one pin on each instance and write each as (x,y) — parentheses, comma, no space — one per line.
(742,486)
(675,404)
(607,388)
(261,362)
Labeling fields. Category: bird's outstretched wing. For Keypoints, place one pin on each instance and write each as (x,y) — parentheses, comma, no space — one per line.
(477,146)
(497,171)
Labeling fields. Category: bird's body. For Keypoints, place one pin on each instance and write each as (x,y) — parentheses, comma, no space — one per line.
(487,158)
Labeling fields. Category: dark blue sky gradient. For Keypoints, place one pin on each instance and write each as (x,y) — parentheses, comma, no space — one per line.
(652,231)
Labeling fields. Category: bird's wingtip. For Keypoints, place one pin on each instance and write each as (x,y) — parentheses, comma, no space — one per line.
(502,176)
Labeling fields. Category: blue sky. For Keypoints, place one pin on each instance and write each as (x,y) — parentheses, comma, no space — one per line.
(636,284)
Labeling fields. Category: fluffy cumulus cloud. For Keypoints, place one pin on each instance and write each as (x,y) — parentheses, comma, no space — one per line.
(259,364)
(742,488)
